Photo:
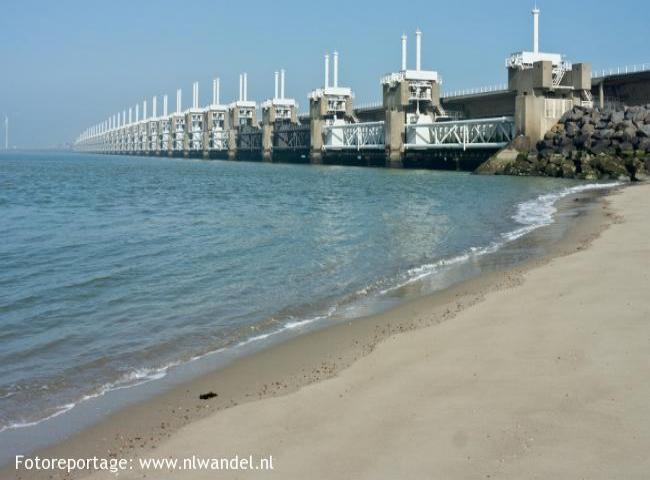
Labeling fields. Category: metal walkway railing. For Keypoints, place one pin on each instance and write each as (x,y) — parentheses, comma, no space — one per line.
(624,70)
(463,134)
(354,136)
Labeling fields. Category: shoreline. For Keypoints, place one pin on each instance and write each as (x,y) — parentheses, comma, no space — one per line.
(323,353)
(425,279)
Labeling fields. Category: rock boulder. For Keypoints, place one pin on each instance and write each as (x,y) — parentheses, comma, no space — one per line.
(586,143)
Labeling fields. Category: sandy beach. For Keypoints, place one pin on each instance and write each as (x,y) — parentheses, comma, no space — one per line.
(541,372)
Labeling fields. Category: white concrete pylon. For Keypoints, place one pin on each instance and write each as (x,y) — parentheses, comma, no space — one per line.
(336,69)
(282,83)
(178,100)
(165,105)
(277,85)
(215,91)
(403,52)
(154,105)
(418,49)
(245,87)
(535,29)
(327,70)
(241,87)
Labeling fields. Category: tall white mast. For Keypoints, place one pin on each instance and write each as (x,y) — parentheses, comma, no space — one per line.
(327,70)
(418,49)
(535,29)
(282,83)
(245,86)
(215,91)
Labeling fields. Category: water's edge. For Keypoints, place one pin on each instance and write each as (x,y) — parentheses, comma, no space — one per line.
(143,385)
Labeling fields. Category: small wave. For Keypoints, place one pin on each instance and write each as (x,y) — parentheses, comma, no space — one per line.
(256,338)
(532,214)
(418,273)
(57,412)
(301,323)
(539,211)
(131,379)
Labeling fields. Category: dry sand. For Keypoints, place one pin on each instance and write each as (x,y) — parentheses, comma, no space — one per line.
(547,379)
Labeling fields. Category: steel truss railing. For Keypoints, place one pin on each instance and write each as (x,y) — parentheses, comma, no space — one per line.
(249,138)
(463,134)
(291,138)
(354,136)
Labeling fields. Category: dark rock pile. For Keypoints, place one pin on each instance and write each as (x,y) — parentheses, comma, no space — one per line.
(586,143)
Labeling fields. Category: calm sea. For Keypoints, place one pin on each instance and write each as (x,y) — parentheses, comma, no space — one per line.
(113,269)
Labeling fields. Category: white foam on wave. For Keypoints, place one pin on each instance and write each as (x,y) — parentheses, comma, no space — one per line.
(301,323)
(130,379)
(540,211)
(57,412)
(531,214)
(256,338)
(418,273)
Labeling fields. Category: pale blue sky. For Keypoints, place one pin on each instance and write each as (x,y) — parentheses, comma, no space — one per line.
(67,64)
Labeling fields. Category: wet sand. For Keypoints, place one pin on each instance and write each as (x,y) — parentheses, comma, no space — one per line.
(535,372)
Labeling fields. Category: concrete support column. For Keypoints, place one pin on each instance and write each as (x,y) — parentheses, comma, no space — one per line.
(267,142)
(186,136)
(394,137)
(232,144)
(395,99)
(268,120)
(316,122)
(205,134)
(170,138)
